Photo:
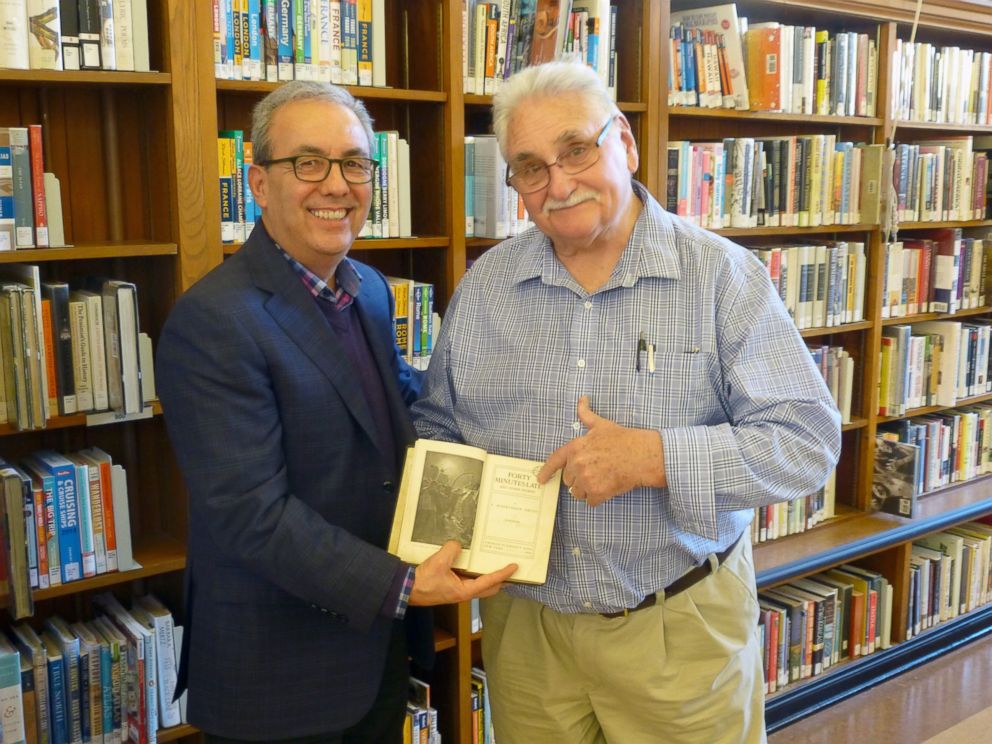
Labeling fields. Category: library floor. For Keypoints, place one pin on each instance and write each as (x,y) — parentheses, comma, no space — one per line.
(948,701)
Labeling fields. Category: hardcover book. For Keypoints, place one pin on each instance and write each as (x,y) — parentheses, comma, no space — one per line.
(893,487)
(491,504)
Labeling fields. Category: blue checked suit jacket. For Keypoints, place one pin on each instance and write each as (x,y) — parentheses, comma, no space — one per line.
(290,500)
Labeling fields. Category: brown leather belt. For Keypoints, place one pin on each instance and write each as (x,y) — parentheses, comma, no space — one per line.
(690,578)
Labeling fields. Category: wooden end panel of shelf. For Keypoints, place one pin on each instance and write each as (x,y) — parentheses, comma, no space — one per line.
(155,555)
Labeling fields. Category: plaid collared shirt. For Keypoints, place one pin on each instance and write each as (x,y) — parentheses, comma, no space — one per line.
(347,278)
(744,416)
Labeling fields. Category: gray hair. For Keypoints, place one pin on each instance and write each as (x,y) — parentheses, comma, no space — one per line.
(301,90)
(549,79)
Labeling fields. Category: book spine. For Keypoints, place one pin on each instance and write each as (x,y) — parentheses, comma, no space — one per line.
(81,355)
(364,23)
(124,36)
(8,239)
(85,520)
(20,161)
(89,35)
(38,186)
(108,47)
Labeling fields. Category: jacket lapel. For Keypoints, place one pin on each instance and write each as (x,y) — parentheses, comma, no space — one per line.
(296,312)
(384,354)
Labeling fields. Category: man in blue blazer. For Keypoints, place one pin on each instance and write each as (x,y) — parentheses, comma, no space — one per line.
(286,403)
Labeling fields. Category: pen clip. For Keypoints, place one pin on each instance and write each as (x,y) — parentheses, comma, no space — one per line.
(641,346)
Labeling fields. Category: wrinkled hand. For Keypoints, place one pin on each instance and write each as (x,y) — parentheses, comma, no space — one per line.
(435,582)
(607,460)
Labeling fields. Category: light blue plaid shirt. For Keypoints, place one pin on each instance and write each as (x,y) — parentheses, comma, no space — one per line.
(744,416)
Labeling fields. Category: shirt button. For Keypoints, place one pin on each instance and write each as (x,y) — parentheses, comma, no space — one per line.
(587,305)
(587,604)
(576,425)
(387,486)
(576,552)
(582,363)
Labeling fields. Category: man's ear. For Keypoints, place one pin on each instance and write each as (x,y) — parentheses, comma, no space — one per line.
(258,180)
(629,143)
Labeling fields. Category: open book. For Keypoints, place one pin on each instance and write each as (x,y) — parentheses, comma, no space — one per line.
(492,505)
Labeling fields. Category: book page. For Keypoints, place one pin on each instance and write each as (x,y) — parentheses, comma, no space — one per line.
(439,497)
(516,519)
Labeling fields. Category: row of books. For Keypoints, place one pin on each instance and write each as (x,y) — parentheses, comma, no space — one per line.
(795,181)
(414,320)
(933,363)
(798,515)
(821,285)
(335,41)
(70,350)
(30,199)
(938,180)
(811,624)
(111,679)
(420,726)
(938,272)
(836,76)
(503,37)
(67,519)
(719,60)
(836,365)
(949,575)
(390,213)
(942,84)
(493,209)
(924,453)
(74,35)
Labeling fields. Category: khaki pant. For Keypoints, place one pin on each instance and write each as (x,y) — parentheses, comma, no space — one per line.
(686,671)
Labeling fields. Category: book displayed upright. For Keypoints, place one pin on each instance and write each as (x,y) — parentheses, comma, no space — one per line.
(491,504)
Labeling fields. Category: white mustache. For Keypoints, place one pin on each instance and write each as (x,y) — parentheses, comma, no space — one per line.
(576,197)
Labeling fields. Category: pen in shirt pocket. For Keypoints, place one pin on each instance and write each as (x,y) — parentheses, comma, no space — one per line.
(643,346)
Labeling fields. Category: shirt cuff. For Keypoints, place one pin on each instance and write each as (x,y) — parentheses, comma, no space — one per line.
(402,586)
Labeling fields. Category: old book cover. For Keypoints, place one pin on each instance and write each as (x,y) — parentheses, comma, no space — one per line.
(492,505)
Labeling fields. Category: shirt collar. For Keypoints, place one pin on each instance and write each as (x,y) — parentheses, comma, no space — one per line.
(650,252)
(346,277)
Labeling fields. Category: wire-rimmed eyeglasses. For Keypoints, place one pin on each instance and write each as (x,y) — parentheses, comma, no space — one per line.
(533,175)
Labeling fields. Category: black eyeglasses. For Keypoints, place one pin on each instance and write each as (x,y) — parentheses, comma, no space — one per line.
(534,175)
(314,168)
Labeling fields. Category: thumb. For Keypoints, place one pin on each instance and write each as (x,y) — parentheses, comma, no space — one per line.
(586,414)
(449,552)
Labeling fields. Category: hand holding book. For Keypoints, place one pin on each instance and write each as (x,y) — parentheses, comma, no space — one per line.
(436,582)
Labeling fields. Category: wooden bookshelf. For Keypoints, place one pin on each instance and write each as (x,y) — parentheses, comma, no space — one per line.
(125,147)
(878,541)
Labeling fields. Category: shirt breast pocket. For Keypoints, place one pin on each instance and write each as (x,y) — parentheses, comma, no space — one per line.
(682,390)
